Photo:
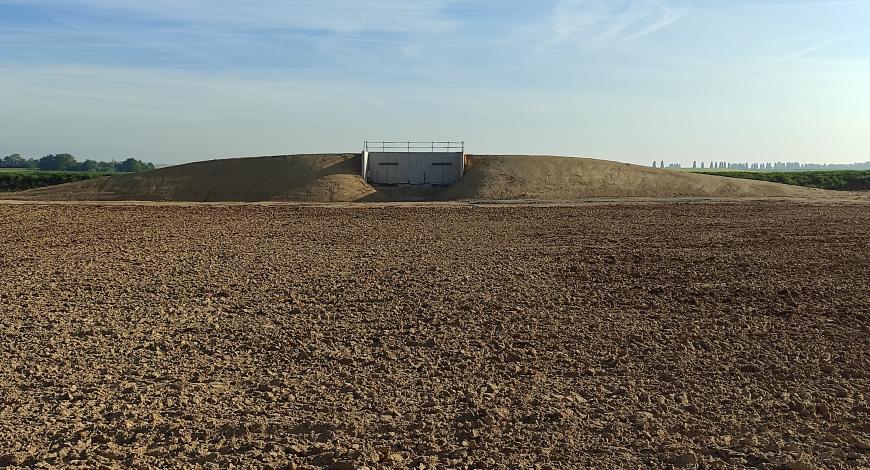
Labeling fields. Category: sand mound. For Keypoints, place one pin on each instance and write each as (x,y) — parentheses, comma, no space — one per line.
(335,178)
(309,178)
(503,177)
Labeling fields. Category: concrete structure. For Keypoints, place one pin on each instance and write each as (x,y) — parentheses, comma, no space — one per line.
(413,163)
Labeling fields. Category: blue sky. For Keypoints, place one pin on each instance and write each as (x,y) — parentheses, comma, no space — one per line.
(632,80)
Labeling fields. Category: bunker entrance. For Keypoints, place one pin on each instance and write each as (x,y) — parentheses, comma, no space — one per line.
(435,164)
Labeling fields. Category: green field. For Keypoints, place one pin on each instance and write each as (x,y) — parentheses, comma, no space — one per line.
(838,180)
(36,171)
(17,170)
(17,179)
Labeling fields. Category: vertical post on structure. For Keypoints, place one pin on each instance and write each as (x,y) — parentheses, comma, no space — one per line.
(462,167)
(365,161)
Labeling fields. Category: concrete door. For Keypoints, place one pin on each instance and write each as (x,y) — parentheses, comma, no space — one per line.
(416,168)
(443,169)
(387,171)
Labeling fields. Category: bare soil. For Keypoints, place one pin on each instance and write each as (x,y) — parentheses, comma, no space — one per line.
(336,178)
(612,335)
(303,178)
(537,177)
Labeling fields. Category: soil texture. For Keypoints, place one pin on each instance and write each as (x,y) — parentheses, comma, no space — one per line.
(611,335)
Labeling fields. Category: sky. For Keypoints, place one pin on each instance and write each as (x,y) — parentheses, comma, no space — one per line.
(172,81)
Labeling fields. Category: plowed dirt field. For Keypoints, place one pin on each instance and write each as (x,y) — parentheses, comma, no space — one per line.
(615,335)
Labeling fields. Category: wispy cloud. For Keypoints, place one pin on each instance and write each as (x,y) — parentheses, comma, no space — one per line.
(807,50)
(220,34)
(666,17)
(594,24)
(803,3)
(396,16)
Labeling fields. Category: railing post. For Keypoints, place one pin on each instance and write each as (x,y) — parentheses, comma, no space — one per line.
(419,146)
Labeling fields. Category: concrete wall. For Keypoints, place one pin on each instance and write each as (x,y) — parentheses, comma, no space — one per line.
(417,168)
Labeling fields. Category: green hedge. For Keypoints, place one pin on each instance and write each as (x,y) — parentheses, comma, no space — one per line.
(23,180)
(841,180)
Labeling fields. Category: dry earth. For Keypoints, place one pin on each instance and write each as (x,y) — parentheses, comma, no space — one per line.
(336,178)
(621,335)
(537,177)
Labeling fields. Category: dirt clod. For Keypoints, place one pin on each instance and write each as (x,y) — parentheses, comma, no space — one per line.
(688,459)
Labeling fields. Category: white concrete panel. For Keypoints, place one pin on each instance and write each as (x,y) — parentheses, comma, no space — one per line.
(416,168)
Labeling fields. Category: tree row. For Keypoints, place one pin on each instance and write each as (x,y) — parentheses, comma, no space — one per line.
(66,162)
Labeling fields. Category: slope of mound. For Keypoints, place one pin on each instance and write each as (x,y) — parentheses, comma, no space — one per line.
(335,178)
(309,178)
(502,177)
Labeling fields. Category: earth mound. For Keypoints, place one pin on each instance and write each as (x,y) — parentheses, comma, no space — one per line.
(540,177)
(305,178)
(336,178)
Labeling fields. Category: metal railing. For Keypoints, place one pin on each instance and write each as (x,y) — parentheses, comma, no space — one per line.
(420,146)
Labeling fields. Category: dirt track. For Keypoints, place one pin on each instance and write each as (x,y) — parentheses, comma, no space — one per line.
(616,335)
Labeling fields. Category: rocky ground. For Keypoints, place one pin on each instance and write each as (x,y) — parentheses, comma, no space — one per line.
(619,335)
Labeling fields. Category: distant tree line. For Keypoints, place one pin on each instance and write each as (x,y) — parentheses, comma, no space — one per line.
(66,162)
(777,166)
(23,180)
(840,180)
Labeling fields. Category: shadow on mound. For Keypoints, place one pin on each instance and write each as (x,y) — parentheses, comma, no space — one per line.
(305,178)
(336,178)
